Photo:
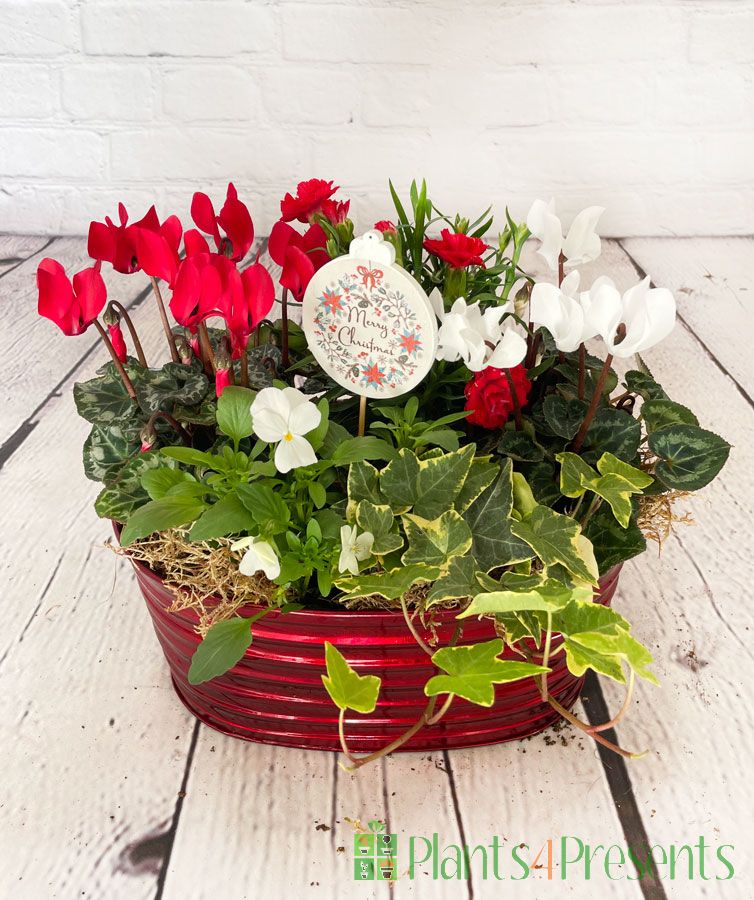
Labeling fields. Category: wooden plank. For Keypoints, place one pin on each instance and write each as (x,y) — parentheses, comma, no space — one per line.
(16,248)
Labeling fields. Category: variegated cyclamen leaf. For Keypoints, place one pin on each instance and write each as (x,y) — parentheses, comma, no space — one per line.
(434,542)
(107,450)
(105,401)
(162,389)
(127,493)
(688,457)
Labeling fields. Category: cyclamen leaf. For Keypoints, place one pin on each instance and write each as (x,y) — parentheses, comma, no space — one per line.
(126,494)
(399,481)
(519,446)
(227,516)
(689,457)
(615,431)
(390,585)
(473,670)
(348,689)
(162,389)
(440,481)
(234,412)
(554,539)
(612,543)
(223,646)
(564,416)
(434,542)
(104,400)
(107,449)
(659,414)
(644,385)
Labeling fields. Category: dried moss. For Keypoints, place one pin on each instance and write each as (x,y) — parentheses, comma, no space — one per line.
(657,517)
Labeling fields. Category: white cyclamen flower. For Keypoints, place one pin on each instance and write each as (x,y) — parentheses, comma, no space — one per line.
(580,245)
(353,548)
(634,322)
(260,556)
(476,337)
(565,311)
(283,417)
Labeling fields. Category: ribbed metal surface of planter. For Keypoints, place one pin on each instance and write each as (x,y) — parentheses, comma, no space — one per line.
(275,693)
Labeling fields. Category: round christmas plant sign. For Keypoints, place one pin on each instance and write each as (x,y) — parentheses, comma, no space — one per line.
(368,322)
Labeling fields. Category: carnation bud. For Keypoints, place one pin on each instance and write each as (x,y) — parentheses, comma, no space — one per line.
(391,234)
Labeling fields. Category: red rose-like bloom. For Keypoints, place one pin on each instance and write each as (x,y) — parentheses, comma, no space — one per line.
(145,244)
(457,250)
(299,255)
(336,210)
(386,226)
(488,394)
(72,306)
(234,219)
(310,198)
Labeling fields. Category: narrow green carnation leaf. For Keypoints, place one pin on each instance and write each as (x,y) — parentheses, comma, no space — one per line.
(399,481)
(234,412)
(348,689)
(158,515)
(555,540)
(434,542)
(223,646)
(473,670)
(689,457)
(390,585)
(440,481)
(227,516)
(659,414)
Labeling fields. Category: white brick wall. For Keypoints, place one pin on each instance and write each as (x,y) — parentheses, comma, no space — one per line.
(644,107)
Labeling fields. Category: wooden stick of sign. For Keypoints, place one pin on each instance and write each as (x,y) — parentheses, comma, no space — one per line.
(362,415)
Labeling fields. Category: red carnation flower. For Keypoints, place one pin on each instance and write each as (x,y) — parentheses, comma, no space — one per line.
(457,250)
(146,244)
(72,306)
(234,219)
(299,255)
(336,210)
(386,227)
(310,198)
(488,395)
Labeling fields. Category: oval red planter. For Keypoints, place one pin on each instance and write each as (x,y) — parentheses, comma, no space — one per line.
(275,693)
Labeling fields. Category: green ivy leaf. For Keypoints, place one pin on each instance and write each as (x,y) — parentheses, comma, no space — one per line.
(554,538)
(435,541)
(659,414)
(473,670)
(227,516)
(234,412)
(223,646)
(564,416)
(689,457)
(615,483)
(379,521)
(489,518)
(158,515)
(399,481)
(548,596)
(347,689)
(390,585)
(440,481)
(612,543)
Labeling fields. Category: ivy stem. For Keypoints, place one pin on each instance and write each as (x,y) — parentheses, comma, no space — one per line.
(342,734)
(206,347)
(164,318)
(127,383)
(514,397)
(591,509)
(596,396)
(132,331)
(441,712)
(569,717)
(284,328)
(358,762)
(546,656)
(166,417)
(415,634)
(582,370)
(623,710)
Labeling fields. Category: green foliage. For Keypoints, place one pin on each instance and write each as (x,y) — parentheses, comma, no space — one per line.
(688,456)
(234,413)
(348,689)
(391,584)
(437,541)
(171,511)
(556,540)
(612,543)
(406,431)
(379,521)
(223,646)
(615,481)
(127,492)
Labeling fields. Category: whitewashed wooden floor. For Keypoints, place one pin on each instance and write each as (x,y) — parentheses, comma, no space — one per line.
(109,789)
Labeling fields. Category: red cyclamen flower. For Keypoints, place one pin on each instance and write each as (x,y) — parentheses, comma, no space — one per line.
(116,339)
(147,244)
(489,395)
(72,306)
(299,255)
(310,198)
(234,219)
(457,250)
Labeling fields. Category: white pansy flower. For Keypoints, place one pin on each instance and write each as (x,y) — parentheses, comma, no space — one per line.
(476,337)
(565,311)
(260,556)
(635,321)
(283,417)
(580,245)
(354,547)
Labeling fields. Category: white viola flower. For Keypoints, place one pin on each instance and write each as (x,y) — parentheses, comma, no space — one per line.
(475,336)
(354,547)
(580,245)
(260,556)
(565,311)
(283,417)
(635,321)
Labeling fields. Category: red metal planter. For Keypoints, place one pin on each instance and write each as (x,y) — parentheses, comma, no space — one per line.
(275,693)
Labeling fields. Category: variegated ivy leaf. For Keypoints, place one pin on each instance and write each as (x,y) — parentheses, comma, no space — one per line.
(348,689)
(459,581)
(615,482)
(481,475)
(548,595)
(489,518)
(390,585)
(596,637)
(379,521)
(363,483)
(440,481)
(554,538)
(473,670)
(434,542)
(399,481)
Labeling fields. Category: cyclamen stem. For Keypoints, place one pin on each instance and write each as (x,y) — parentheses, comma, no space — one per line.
(206,347)
(127,383)
(514,397)
(244,369)
(596,397)
(582,370)
(132,331)
(284,328)
(164,318)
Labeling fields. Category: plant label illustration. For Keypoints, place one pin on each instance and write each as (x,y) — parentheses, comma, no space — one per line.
(368,323)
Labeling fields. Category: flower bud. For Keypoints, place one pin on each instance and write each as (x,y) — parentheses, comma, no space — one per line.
(116,339)
(391,234)
(193,341)
(184,350)
(148,437)
(223,364)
